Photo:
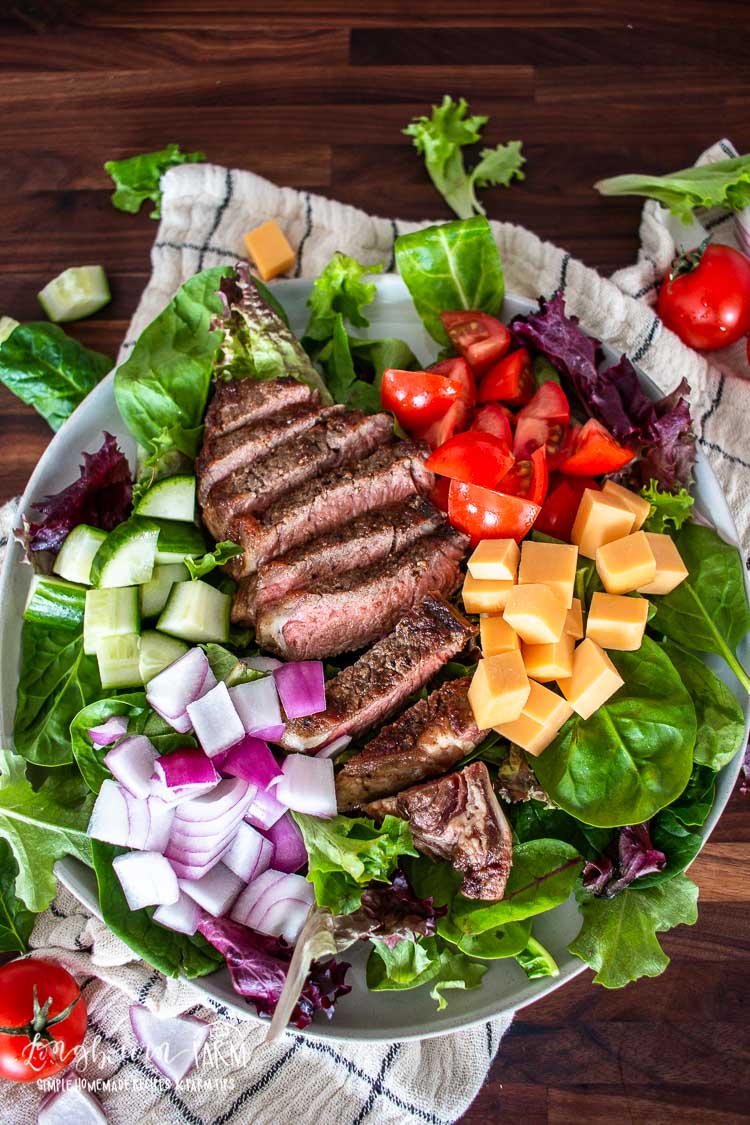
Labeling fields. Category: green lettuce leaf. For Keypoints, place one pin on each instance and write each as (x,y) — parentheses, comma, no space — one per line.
(16,922)
(338,291)
(723,184)
(669,510)
(410,964)
(228,667)
(222,552)
(537,961)
(90,758)
(138,178)
(721,723)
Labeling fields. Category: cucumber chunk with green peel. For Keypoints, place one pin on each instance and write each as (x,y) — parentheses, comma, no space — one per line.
(76,555)
(119,661)
(7,325)
(158,651)
(197,612)
(178,540)
(109,613)
(56,603)
(127,555)
(75,293)
(172,498)
(155,592)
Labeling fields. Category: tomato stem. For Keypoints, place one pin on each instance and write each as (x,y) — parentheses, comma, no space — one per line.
(39,1025)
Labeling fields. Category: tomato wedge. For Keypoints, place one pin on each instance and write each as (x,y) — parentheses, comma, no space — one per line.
(458,371)
(418,398)
(559,509)
(595,452)
(510,381)
(480,338)
(528,479)
(484,514)
(542,421)
(452,422)
(494,419)
(473,457)
(439,493)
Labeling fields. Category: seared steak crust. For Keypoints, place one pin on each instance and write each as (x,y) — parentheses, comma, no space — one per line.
(371,689)
(424,742)
(236,402)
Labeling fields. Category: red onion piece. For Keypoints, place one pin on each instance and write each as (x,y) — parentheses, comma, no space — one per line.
(161,817)
(172,1045)
(184,681)
(131,761)
(308,785)
(250,854)
(184,774)
(215,720)
(223,799)
(301,688)
(257,704)
(253,893)
(182,916)
(146,879)
(72,1105)
(276,904)
(215,891)
(335,747)
(271,734)
(253,760)
(119,818)
(289,851)
(109,732)
(261,663)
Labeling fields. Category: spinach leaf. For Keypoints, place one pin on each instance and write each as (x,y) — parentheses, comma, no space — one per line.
(669,510)
(537,961)
(90,758)
(228,667)
(533,820)
(453,266)
(721,724)
(634,755)
(723,184)
(138,178)
(412,963)
(222,552)
(678,843)
(697,798)
(164,738)
(491,945)
(709,610)
(16,922)
(49,370)
(169,952)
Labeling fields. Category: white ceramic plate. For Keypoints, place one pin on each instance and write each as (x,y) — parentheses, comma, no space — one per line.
(362,1014)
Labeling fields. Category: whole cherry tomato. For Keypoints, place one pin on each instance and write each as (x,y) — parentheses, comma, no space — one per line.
(42,1019)
(705,299)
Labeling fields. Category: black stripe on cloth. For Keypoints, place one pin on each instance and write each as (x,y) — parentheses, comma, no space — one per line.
(261,1084)
(717,222)
(392,260)
(146,988)
(646,289)
(305,235)
(637,356)
(165,243)
(716,403)
(225,201)
(727,150)
(377,1087)
(718,449)
(56,912)
(564,271)
(490,1044)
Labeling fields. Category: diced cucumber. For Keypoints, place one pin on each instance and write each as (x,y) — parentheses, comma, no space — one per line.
(75,293)
(127,555)
(55,602)
(77,553)
(158,651)
(196,611)
(7,325)
(172,498)
(155,592)
(119,661)
(178,540)
(109,613)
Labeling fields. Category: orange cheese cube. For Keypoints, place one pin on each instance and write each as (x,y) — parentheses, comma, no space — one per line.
(499,689)
(670,569)
(536,613)
(617,622)
(541,719)
(485,595)
(549,662)
(496,635)
(268,248)
(495,559)
(574,620)
(630,500)
(553,564)
(593,681)
(599,520)
(626,564)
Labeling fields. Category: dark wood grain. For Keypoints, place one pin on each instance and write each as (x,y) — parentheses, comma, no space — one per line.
(315,93)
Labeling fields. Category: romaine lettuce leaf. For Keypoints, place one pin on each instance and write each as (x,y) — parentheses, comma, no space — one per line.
(138,178)
(16,922)
(723,184)
(410,964)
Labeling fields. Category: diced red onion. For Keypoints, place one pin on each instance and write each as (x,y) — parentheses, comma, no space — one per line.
(71,1105)
(204,828)
(146,879)
(119,818)
(131,761)
(215,891)
(161,816)
(289,851)
(231,794)
(264,810)
(215,720)
(335,747)
(278,907)
(109,732)
(261,663)
(182,916)
(257,704)
(184,774)
(307,785)
(301,688)
(253,893)
(253,760)
(172,1045)
(184,681)
(250,854)
(286,917)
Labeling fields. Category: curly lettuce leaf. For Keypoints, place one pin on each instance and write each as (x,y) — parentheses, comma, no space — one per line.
(410,964)
(339,291)
(669,510)
(222,553)
(537,961)
(723,184)
(138,178)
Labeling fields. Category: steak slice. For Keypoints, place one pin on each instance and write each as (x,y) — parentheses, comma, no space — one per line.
(372,688)
(342,614)
(458,818)
(423,743)
(236,402)
(320,506)
(339,437)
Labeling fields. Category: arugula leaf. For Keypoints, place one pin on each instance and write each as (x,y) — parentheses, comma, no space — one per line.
(412,963)
(49,370)
(90,758)
(138,178)
(669,510)
(441,137)
(634,755)
(721,723)
(40,826)
(618,935)
(338,292)
(537,961)
(222,552)
(16,922)
(723,184)
(452,266)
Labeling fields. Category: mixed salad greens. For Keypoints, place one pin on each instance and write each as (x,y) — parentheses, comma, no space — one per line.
(620,836)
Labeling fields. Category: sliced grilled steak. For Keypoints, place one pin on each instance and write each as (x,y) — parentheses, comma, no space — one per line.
(424,742)
(342,614)
(458,818)
(238,401)
(372,688)
(338,438)
(320,506)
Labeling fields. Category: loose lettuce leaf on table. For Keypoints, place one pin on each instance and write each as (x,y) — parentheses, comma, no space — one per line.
(723,184)
(138,178)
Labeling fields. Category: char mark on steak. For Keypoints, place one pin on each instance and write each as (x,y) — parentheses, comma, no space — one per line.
(346,613)
(377,684)
(237,402)
(320,506)
(424,742)
(458,818)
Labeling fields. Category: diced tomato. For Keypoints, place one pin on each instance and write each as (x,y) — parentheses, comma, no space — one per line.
(564,450)
(452,422)
(480,338)
(595,452)
(528,479)
(418,398)
(559,509)
(495,419)
(484,514)
(439,493)
(473,457)
(458,371)
(542,421)
(510,381)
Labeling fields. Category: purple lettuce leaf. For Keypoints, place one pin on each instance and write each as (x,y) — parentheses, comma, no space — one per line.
(390,912)
(745,772)
(630,856)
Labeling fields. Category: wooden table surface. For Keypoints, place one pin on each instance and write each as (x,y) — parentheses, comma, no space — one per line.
(314,93)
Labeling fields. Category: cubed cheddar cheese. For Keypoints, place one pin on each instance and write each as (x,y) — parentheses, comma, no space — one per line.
(593,681)
(631,500)
(617,622)
(496,635)
(626,564)
(670,569)
(268,248)
(549,662)
(553,564)
(574,620)
(499,689)
(541,719)
(600,519)
(495,559)
(536,613)
(485,595)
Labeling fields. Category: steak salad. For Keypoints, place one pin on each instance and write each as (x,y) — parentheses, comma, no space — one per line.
(374,653)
